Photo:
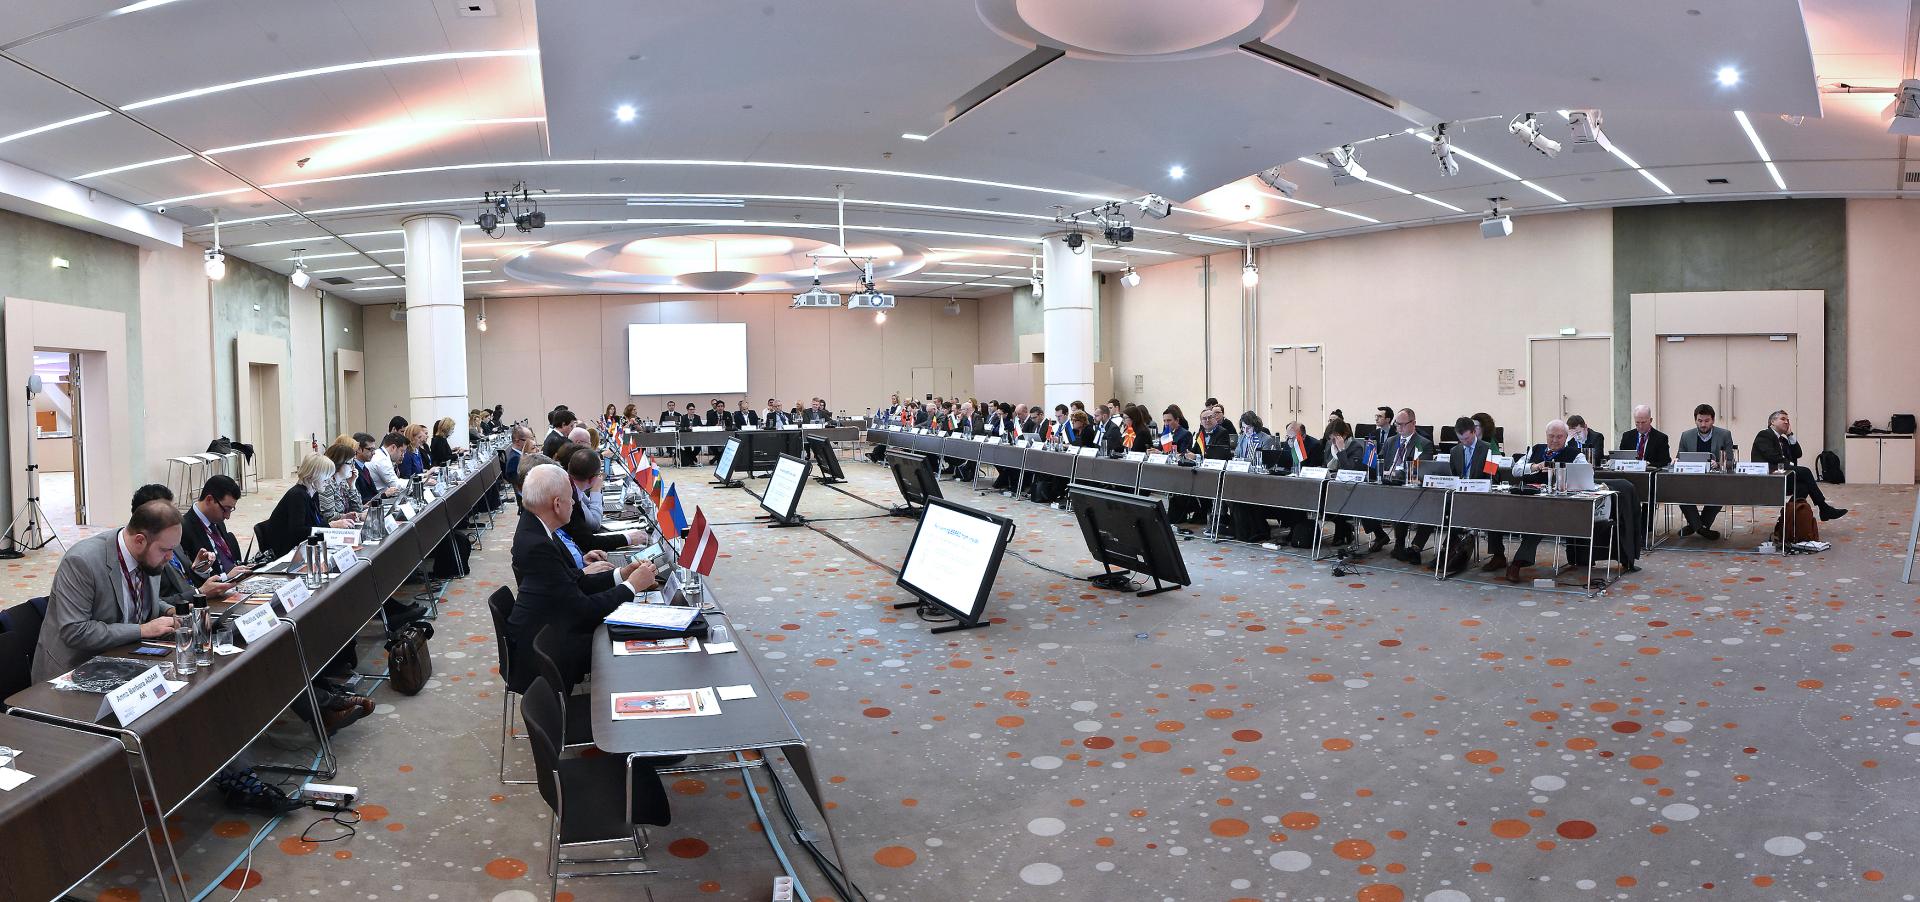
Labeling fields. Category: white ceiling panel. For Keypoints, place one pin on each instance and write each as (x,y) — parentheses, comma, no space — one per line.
(21,19)
(1458,60)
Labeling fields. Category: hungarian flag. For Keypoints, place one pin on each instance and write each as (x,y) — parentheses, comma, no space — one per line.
(671,520)
(1299,442)
(701,548)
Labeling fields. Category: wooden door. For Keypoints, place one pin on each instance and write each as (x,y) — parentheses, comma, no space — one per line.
(1545,403)
(1762,377)
(1586,382)
(1688,371)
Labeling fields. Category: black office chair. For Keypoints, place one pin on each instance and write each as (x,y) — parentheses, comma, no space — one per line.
(585,794)
(262,549)
(499,604)
(546,662)
(16,649)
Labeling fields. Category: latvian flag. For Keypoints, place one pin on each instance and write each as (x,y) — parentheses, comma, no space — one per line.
(701,548)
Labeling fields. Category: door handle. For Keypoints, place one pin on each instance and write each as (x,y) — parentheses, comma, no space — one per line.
(1720,398)
(1733,399)
(1563,407)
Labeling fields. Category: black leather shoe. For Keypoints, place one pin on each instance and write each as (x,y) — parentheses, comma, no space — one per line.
(1829,512)
(1379,542)
(1711,535)
(1686,531)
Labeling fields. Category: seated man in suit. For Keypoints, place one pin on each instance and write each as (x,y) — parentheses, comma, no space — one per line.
(1533,469)
(1474,458)
(775,416)
(1399,459)
(1342,451)
(1712,440)
(1588,440)
(745,417)
(560,583)
(1648,444)
(1779,449)
(106,591)
(718,415)
(580,529)
(670,416)
(204,536)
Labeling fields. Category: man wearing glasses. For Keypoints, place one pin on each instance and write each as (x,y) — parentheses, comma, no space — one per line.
(204,537)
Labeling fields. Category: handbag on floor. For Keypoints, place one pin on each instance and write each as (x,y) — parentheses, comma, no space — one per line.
(1798,523)
(409,665)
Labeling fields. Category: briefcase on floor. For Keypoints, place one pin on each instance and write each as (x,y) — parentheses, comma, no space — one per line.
(409,666)
(1798,523)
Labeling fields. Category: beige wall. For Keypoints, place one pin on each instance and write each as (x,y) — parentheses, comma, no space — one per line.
(1159,332)
(176,331)
(996,329)
(1883,310)
(572,349)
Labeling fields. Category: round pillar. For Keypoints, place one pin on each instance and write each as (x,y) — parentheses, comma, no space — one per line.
(1067,320)
(436,322)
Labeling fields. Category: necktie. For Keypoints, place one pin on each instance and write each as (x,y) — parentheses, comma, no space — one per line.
(1641,452)
(572,549)
(140,590)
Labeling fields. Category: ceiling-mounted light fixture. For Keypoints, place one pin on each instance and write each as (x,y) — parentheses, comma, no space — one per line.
(1035,279)
(1528,129)
(625,113)
(1728,76)
(1497,224)
(1584,125)
(481,321)
(1272,178)
(299,277)
(216,259)
(952,308)
(1345,164)
(1443,151)
(1249,271)
(880,318)
(1904,111)
(1154,206)
(1130,278)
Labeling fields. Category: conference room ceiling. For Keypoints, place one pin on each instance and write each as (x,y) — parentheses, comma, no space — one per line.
(751,118)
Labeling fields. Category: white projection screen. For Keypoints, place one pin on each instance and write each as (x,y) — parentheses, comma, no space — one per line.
(686,358)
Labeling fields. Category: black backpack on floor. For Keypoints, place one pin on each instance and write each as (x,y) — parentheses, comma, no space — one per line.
(1827,468)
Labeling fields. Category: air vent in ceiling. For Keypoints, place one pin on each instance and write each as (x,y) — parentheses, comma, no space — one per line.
(337,280)
(475,9)
(1716,181)
(1912,178)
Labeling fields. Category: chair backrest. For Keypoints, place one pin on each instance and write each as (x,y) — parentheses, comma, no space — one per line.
(260,543)
(546,660)
(500,604)
(24,617)
(16,660)
(540,708)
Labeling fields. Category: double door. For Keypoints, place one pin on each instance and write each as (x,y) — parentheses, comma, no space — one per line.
(1569,376)
(1744,377)
(1295,388)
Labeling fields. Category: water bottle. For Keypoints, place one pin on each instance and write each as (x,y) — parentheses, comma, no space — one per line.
(183,646)
(314,557)
(202,634)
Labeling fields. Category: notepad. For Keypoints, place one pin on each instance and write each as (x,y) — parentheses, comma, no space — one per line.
(681,645)
(663,703)
(652,616)
(734,693)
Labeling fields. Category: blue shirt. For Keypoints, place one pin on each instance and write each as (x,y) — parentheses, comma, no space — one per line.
(572,549)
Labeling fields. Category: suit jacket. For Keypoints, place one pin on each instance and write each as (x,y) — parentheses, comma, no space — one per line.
(1283,452)
(1419,447)
(363,481)
(670,418)
(584,535)
(1351,457)
(553,591)
(440,451)
(292,520)
(774,419)
(194,539)
(1471,469)
(1221,441)
(1775,452)
(87,608)
(720,418)
(1596,442)
(744,418)
(812,415)
(1539,454)
(1659,451)
(922,417)
(1719,441)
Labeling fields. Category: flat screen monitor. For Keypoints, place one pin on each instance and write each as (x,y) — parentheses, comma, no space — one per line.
(914,475)
(821,451)
(1131,533)
(955,553)
(686,358)
(783,490)
(723,468)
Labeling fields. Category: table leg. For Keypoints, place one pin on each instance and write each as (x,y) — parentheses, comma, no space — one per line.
(801,761)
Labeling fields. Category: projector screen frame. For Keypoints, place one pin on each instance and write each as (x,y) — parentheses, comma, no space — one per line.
(972,618)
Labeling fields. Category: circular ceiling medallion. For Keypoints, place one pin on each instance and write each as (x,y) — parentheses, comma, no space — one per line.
(1137,29)
(699,259)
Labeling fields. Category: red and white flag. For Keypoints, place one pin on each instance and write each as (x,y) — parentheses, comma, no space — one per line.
(701,547)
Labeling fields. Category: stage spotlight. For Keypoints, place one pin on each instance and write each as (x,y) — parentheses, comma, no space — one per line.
(1584,126)
(1528,128)
(1273,179)
(216,264)
(1154,206)
(1497,224)
(1904,111)
(1345,164)
(1443,152)
(299,276)
(1130,278)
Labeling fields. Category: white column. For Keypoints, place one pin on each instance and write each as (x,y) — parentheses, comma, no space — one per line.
(436,322)
(1067,320)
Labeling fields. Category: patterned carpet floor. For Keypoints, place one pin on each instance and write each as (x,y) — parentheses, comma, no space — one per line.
(1735,726)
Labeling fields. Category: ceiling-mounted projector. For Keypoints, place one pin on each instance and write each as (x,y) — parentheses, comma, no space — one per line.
(816,296)
(869,300)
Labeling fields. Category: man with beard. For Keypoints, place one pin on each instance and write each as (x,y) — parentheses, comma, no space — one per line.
(106,592)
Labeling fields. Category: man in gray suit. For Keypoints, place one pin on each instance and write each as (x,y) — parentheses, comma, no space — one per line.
(107,591)
(1713,440)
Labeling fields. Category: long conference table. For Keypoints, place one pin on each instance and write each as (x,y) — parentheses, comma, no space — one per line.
(1568,517)
(171,751)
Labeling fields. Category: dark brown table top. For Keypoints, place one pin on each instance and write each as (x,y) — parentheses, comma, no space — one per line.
(79,809)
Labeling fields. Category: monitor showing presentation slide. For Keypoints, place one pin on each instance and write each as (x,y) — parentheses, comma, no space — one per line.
(955,553)
(723,468)
(686,358)
(783,490)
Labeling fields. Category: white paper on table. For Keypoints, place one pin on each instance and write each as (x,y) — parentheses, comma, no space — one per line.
(734,693)
(227,650)
(721,648)
(12,777)
(706,705)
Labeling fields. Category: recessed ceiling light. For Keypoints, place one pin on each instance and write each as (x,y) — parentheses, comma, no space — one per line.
(910,136)
(625,112)
(1728,76)
(1176,172)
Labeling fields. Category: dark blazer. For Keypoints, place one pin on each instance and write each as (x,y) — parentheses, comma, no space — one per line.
(669,418)
(1222,441)
(1419,447)
(363,481)
(589,539)
(813,415)
(1352,457)
(1539,454)
(194,539)
(554,591)
(1596,442)
(776,419)
(1659,450)
(744,418)
(1777,454)
(440,451)
(922,417)
(292,520)
(720,418)
(1279,452)
(1471,469)
(411,465)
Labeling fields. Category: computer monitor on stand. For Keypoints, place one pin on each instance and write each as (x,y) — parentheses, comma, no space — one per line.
(952,561)
(723,468)
(783,492)
(916,480)
(1130,533)
(821,451)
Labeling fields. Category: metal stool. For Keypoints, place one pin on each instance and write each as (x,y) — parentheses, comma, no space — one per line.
(180,478)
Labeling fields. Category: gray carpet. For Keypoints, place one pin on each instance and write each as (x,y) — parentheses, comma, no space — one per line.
(1722,725)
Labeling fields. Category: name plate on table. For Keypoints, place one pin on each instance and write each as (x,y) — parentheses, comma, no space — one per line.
(706,429)
(344,558)
(1028,441)
(406,509)
(983,439)
(1350,476)
(1213,464)
(1313,472)
(1154,457)
(1752,468)
(1474,486)
(789,427)
(1086,452)
(893,428)
(1630,466)
(1136,455)
(1239,466)
(338,537)
(924,431)
(1689,466)
(428,495)
(668,429)
(291,594)
(138,696)
(256,622)
(1436,481)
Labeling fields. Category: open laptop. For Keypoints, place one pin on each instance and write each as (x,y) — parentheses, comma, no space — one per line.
(1624,454)
(1694,456)
(1579,477)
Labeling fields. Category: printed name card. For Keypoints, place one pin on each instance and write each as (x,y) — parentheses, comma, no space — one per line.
(138,696)
(1630,466)
(256,623)
(789,426)
(1085,452)
(429,495)
(1136,455)
(1689,466)
(984,438)
(291,594)
(406,509)
(1239,466)
(344,558)
(1213,464)
(1313,472)
(1751,468)
(1350,476)
(1154,457)
(1475,486)
(1436,481)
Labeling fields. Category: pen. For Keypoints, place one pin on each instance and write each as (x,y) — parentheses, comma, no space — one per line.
(699,701)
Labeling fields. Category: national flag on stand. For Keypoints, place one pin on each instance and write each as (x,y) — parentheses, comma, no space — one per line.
(1373,453)
(701,547)
(1166,441)
(1490,466)
(1126,436)
(1299,442)
(1200,442)
(671,520)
